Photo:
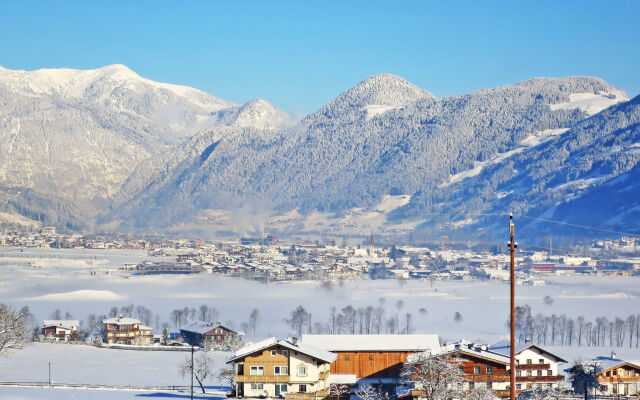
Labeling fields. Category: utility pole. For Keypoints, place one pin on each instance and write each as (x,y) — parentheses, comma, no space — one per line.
(512,249)
(191,372)
(49,373)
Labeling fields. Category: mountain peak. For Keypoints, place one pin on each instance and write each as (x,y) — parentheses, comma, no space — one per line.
(375,95)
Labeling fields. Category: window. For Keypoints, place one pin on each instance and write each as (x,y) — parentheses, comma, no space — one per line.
(489,385)
(529,373)
(518,373)
(476,370)
(257,386)
(529,361)
(518,386)
(604,388)
(489,370)
(274,352)
(615,372)
(471,385)
(283,388)
(461,369)
(302,370)
(539,372)
(281,370)
(285,353)
(255,370)
(302,388)
(549,372)
(541,361)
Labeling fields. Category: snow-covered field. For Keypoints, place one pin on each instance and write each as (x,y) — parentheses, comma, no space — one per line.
(22,393)
(87,281)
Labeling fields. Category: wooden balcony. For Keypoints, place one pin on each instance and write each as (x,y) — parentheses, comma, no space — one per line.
(487,378)
(506,378)
(540,379)
(262,379)
(524,367)
(619,379)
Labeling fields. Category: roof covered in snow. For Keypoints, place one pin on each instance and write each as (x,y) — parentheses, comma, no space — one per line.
(202,327)
(504,347)
(63,323)
(289,343)
(121,321)
(373,342)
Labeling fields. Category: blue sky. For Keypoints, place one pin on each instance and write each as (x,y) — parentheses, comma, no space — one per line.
(301,54)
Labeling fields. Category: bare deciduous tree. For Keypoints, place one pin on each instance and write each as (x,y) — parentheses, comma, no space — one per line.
(436,377)
(202,368)
(13,332)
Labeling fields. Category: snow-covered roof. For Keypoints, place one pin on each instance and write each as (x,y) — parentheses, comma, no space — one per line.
(288,343)
(202,327)
(373,342)
(121,321)
(504,347)
(609,362)
(63,323)
(469,348)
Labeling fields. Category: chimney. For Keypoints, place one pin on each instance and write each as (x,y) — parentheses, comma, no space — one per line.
(613,355)
(294,341)
(527,340)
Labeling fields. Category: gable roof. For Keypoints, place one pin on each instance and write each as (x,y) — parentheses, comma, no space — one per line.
(469,348)
(373,342)
(202,327)
(287,343)
(62,323)
(504,347)
(121,321)
(607,363)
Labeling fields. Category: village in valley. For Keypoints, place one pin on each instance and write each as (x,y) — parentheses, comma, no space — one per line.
(366,352)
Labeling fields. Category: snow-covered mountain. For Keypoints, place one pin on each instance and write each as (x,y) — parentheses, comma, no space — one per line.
(345,159)
(76,135)
(133,153)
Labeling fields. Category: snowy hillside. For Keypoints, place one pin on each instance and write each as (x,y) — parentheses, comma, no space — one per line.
(78,134)
(383,137)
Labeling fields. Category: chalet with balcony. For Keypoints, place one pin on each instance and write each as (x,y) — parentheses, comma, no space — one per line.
(618,377)
(122,330)
(60,330)
(282,368)
(211,335)
(535,366)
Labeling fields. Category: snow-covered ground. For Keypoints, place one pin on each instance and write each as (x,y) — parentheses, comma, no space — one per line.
(22,393)
(97,286)
(591,103)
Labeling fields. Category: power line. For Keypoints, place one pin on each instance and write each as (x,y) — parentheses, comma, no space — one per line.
(580,226)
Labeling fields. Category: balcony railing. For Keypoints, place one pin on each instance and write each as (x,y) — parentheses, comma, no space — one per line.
(524,367)
(506,378)
(262,379)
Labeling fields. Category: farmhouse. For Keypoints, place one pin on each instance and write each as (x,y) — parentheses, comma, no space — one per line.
(535,366)
(618,377)
(211,335)
(122,330)
(60,330)
(286,368)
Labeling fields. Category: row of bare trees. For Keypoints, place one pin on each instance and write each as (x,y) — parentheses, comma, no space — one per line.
(562,330)
(369,320)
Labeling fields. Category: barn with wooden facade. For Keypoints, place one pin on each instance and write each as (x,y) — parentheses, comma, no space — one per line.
(371,358)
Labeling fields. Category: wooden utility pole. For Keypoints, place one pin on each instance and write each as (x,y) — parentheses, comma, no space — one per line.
(512,249)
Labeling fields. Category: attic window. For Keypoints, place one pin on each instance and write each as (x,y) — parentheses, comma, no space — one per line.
(285,352)
(274,352)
